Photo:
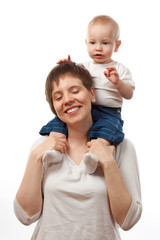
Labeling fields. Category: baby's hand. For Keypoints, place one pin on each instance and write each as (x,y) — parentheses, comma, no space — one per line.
(112,74)
(65,60)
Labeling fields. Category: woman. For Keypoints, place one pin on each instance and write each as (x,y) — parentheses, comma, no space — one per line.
(70,203)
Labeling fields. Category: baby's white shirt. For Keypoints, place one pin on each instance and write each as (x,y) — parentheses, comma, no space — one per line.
(106,93)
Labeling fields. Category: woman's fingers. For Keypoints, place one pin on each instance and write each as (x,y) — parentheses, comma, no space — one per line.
(100,149)
(58,141)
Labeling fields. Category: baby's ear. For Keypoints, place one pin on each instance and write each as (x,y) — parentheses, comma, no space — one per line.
(118,44)
(86,41)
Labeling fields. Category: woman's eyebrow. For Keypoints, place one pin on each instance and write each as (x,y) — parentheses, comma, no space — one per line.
(69,88)
(75,86)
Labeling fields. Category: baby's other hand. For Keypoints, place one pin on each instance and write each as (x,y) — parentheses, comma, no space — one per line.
(64,60)
(112,74)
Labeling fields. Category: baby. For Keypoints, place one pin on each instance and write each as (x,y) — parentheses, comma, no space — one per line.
(112,82)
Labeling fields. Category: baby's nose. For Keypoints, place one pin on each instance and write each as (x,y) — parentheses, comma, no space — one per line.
(98,46)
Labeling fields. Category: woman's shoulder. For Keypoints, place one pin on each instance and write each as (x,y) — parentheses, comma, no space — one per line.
(38,141)
(125,151)
(125,144)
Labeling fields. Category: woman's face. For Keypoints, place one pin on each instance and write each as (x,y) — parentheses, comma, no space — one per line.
(72,101)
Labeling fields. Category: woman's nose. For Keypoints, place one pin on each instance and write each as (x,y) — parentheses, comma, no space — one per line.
(67,99)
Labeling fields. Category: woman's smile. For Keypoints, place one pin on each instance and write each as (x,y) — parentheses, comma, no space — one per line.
(72,110)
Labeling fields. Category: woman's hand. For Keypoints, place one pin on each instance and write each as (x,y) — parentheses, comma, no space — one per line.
(59,141)
(103,152)
(55,141)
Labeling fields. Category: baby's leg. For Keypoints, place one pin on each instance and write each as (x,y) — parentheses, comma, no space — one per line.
(107,125)
(55,126)
(56,155)
(91,161)
(52,156)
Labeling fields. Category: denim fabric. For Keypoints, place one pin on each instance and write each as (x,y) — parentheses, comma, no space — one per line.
(107,124)
(55,125)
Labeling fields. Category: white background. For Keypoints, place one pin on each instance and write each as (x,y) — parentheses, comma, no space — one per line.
(34,35)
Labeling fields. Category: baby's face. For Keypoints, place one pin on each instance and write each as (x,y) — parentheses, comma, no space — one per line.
(101,42)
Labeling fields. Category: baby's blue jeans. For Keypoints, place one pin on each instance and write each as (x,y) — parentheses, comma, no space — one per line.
(107,124)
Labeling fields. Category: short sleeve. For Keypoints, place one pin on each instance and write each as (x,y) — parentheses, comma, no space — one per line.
(22,215)
(133,215)
(125,74)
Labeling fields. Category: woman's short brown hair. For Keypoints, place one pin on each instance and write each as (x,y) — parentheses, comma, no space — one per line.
(75,70)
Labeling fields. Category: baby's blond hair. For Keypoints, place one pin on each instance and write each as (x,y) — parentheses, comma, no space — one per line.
(104,19)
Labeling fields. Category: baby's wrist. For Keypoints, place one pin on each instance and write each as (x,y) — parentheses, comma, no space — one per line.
(118,84)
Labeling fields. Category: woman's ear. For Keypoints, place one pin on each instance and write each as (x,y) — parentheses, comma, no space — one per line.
(118,44)
(93,98)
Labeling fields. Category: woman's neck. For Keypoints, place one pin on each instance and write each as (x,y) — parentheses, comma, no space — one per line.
(77,142)
(79,133)
(78,137)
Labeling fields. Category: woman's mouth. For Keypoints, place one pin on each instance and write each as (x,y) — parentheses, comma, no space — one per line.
(72,110)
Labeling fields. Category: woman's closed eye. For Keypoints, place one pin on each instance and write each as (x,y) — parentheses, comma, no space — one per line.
(75,91)
(58,97)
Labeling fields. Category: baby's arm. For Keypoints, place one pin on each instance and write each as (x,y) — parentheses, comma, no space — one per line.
(124,89)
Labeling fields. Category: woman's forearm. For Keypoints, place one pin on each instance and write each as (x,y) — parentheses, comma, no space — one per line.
(119,197)
(29,195)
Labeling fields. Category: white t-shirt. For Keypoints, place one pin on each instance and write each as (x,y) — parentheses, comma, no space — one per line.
(106,93)
(76,205)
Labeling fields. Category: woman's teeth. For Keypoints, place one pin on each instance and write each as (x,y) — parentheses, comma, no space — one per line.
(72,110)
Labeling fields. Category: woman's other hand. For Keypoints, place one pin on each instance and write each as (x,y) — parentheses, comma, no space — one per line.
(103,152)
